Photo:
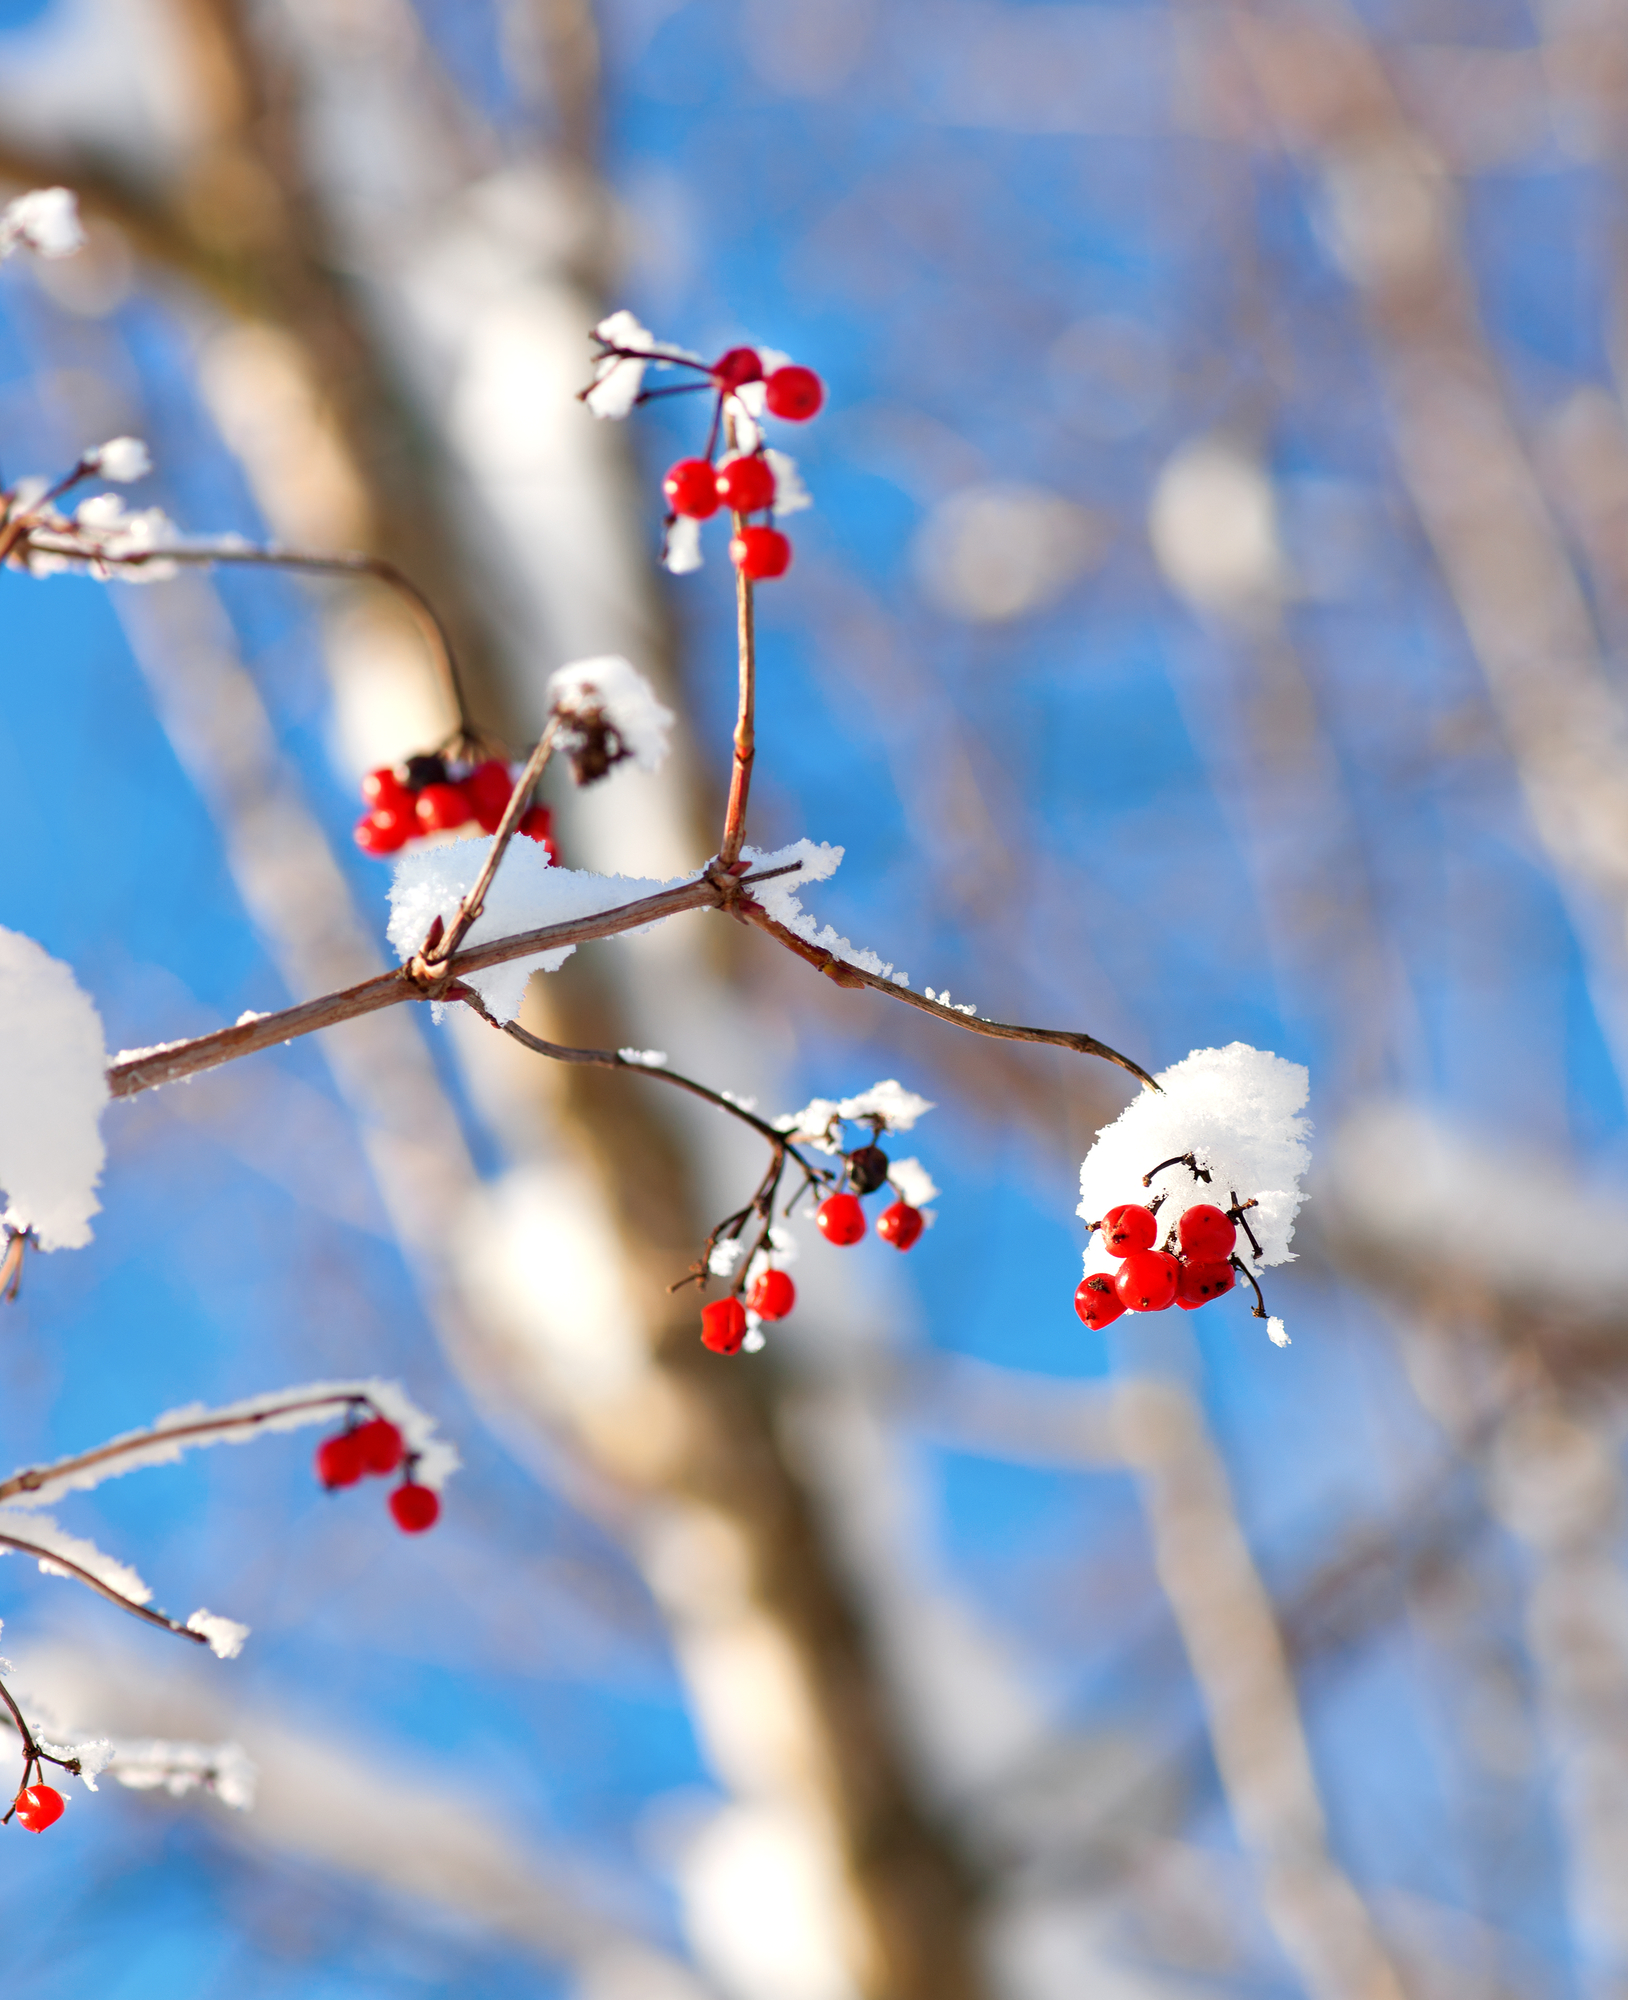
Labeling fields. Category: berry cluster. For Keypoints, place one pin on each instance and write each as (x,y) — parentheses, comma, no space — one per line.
(376,1448)
(840,1218)
(1195,1263)
(427,795)
(38,1806)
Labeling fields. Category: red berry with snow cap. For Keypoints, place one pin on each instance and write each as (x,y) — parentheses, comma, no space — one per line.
(414,1508)
(691,487)
(738,367)
(760,553)
(1206,1234)
(840,1219)
(1129,1227)
(745,484)
(1199,1283)
(379,1445)
(39,1806)
(1147,1281)
(772,1296)
(900,1225)
(339,1461)
(723,1326)
(794,393)
(1096,1301)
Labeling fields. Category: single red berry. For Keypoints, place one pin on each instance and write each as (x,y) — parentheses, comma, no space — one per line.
(723,1326)
(900,1225)
(738,367)
(378,1446)
(745,484)
(1096,1301)
(1206,1234)
(691,487)
(794,393)
(1198,1283)
(39,1806)
(761,553)
(384,788)
(339,1460)
(384,829)
(1147,1281)
(840,1218)
(773,1295)
(441,807)
(414,1508)
(1129,1227)
(488,789)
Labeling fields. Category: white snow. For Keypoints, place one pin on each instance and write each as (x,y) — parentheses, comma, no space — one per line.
(645,1058)
(897,1107)
(45,220)
(53,1086)
(618,380)
(615,689)
(1276,1332)
(913,1182)
(274,1410)
(526,895)
(94,1757)
(943,1000)
(224,1635)
(178,1768)
(681,547)
(791,496)
(726,1256)
(44,1537)
(783,900)
(121,458)
(1237,1110)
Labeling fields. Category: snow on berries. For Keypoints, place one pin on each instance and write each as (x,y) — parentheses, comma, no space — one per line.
(1195,1186)
(743,385)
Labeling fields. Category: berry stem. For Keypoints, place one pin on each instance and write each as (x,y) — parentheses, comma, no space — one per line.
(1236,1212)
(11,1264)
(432,957)
(745,741)
(1248,1277)
(34,1758)
(1187,1160)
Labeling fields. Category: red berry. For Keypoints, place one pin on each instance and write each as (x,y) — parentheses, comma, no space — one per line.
(745,484)
(415,1508)
(900,1225)
(439,808)
(384,788)
(1147,1281)
(39,1806)
(1096,1301)
(378,1446)
(1207,1234)
(761,553)
(691,487)
(723,1326)
(1129,1227)
(840,1218)
(773,1296)
(794,393)
(488,789)
(738,367)
(1198,1283)
(384,829)
(340,1461)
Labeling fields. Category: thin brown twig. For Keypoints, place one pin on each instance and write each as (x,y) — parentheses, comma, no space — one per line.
(470,908)
(85,1576)
(745,739)
(842,973)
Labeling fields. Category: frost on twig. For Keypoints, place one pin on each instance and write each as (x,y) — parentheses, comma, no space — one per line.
(53,1085)
(783,902)
(46,221)
(525,895)
(224,1769)
(888,1105)
(608,714)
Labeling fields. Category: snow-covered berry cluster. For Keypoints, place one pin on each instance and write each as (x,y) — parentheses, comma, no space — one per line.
(430,794)
(737,472)
(375,1448)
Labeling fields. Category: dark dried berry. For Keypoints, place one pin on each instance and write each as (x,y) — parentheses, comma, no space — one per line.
(418,772)
(867,1169)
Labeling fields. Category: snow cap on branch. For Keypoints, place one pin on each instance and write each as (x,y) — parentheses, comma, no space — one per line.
(224,1636)
(53,1085)
(1236,1110)
(43,1537)
(608,712)
(45,220)
(897,1108)
(783,900)
(526,895)
(121,458)
(912,1182)
(618,378)
(178,1768)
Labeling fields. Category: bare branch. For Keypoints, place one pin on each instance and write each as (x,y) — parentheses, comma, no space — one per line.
(85,1576)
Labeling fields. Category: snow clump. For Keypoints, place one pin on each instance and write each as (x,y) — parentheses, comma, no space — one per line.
(53,1085)
(783,901)
(591,695)
(45,220)
(121,459)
